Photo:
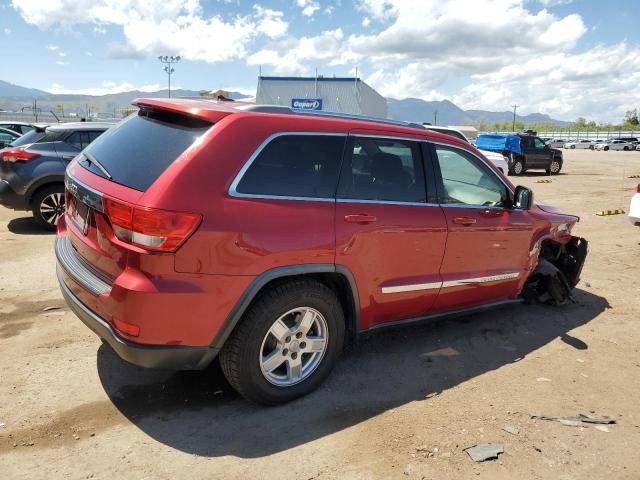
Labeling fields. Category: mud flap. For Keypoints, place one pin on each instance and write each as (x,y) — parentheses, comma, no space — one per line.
(556,274)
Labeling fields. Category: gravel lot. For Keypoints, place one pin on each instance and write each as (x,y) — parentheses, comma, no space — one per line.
(402,404)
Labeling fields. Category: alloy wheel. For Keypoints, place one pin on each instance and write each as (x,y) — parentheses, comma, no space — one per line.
(555,166)
(294,346)
(52,207)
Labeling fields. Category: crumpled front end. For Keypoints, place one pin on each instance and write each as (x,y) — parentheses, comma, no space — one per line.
(557,272)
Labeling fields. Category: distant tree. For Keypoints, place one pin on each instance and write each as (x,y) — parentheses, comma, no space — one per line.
(580,122)
(631,117)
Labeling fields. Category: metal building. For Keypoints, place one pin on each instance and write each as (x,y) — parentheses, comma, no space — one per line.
(328,94)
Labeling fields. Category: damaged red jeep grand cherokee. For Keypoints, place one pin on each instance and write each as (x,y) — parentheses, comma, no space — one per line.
(268,237)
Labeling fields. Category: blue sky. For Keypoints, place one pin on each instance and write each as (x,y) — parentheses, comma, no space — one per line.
(562,57)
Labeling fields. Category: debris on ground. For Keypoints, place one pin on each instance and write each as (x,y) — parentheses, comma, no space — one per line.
(543,379)
(511,430)
(484,451)
(51,308)
(602,428)
(576,420)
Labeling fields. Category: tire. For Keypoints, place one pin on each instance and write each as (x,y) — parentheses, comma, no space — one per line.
(626,149)
(245,356)
(554,167)
(47,206)
(517,167)
(573,147)
(606,148)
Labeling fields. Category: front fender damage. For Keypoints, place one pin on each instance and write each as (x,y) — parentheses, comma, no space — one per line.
(557,272)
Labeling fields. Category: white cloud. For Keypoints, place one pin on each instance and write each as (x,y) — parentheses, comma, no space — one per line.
(309,7)
(289,56)
(552,3)
(159,27)
(600,84)
(7,31)
(104,89)
(366,21)
(270,22)
(53,48)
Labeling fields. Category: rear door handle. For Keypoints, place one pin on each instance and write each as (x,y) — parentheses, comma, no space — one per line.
(359,218)
(466,221)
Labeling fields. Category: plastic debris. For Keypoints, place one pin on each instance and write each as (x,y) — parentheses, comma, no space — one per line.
(511,430)
(51,308)
(484,451)
(575,421)
(602,428)
(543,379)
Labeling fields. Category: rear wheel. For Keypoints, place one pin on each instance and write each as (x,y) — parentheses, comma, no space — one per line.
(286,344)
(573,147)
(626,149)
(48,206)
(606,148)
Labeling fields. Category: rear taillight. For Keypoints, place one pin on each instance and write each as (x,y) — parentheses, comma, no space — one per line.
(18,154)
(149,228)
(638,189)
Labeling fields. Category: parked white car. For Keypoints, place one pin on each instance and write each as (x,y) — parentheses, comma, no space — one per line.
(557,142)
(634,208)
(496,158)
(580,144)
(613,145)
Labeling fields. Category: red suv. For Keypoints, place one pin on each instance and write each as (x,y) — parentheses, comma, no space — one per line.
(268,237)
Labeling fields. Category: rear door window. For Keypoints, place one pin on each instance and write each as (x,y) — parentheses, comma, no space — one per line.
(305,166)
(30,137)
(139,149)
(384,170)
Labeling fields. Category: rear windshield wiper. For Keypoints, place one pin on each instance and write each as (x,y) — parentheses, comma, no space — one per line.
(92,161)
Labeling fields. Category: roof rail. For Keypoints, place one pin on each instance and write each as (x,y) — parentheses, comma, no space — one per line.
(348,116)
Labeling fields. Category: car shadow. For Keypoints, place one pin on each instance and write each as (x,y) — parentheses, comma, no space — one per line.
(27,226)
(199,413)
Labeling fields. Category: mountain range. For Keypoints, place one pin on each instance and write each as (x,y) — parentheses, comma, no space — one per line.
(14,97)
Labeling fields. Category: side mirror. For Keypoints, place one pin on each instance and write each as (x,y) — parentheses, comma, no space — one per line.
(522,198)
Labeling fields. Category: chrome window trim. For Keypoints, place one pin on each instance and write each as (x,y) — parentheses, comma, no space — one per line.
(238,178)
(233,188)
(413,287)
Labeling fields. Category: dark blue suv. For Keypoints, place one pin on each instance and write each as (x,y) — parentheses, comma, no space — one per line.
(32,168)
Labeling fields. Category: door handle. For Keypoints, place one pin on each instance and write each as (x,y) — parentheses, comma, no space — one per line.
(466,221)
(360,218)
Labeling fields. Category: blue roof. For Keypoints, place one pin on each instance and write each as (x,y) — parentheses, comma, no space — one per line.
(313,79)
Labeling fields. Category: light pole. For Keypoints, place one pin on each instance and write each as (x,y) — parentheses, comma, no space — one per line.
(435,117)
(168,61)
(514,116)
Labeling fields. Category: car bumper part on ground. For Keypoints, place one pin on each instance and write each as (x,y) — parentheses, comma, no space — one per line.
(9,198)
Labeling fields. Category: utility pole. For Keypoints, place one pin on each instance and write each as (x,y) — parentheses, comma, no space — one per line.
(515,107)
(168,61)
(435,117)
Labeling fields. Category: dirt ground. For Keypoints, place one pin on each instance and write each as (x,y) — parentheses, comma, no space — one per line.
(402,404)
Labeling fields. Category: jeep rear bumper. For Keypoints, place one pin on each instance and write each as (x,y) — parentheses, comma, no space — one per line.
(150,356)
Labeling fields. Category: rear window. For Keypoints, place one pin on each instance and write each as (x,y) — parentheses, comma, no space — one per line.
(296,166)
(139,149)
(30,137)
